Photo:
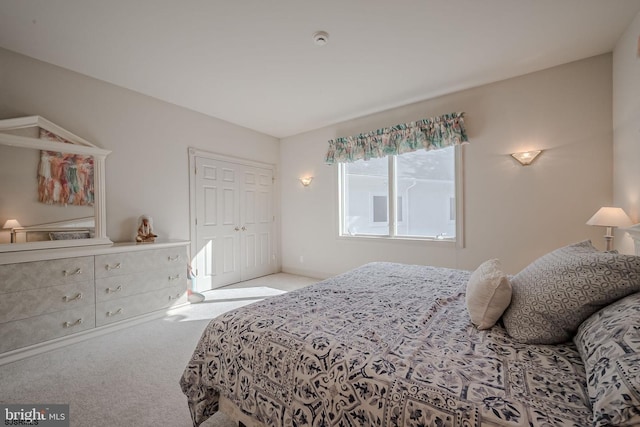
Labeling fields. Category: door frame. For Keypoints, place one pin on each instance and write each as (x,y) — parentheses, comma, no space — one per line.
(196,152)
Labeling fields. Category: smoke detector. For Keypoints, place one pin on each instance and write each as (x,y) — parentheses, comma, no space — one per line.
(320,38)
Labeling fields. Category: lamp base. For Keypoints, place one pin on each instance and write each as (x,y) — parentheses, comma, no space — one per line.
(608,238)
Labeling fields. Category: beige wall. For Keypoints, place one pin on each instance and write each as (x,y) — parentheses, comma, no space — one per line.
(147,171)
(626,128)
(512,212)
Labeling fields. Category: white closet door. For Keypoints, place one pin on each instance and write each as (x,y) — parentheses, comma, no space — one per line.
(217,258)
(256,216)
(233,224)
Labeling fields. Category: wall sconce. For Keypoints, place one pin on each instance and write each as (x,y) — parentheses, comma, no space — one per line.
(610,217)
(10,225)
(306,180)
(526,157)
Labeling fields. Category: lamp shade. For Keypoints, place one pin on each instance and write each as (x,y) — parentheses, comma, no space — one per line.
(526,157)
(610,217)
(11,223)
(306,180)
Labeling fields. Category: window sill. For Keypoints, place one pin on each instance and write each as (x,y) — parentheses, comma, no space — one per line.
(447,243)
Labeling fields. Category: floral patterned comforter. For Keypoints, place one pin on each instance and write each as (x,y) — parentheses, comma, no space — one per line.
(382,345)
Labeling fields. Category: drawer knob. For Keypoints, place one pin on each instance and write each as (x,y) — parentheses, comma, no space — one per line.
(114,313)
(176,277)
(112,267)
(69,299)
(113,291)
(173,258)
(72,273)
(171,297)
(70,324)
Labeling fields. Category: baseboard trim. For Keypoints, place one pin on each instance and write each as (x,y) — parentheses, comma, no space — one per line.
(43,347)
(306,273)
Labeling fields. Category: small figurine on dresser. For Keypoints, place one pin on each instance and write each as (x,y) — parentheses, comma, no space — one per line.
(145,230)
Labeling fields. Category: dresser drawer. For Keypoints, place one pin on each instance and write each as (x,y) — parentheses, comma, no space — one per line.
(41,274)
(124,308)
(115,287)
(21,333)
(24,304)
(139,261)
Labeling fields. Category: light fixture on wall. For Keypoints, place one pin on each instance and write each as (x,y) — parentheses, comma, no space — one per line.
(306,180)
(610,217)
(10,225)
(526,157)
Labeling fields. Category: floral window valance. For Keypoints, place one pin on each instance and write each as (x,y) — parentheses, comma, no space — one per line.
(63,178)
(428,134)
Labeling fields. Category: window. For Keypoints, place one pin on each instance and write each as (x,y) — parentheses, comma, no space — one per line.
(422,184)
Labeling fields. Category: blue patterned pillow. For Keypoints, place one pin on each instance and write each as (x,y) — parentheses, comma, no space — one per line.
(609,344)
(554,294)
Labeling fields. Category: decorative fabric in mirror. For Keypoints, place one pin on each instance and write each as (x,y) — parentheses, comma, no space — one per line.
(64,179)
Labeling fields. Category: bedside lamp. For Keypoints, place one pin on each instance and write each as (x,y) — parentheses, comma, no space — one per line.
(10,225)
(610,217)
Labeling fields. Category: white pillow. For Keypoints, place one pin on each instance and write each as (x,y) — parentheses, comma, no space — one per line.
(488,294)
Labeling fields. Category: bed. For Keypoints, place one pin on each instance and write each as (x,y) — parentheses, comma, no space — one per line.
(390,344)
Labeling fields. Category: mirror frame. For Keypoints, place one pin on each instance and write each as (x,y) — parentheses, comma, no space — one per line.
(78,146)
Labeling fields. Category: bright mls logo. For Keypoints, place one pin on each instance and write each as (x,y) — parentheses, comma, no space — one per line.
(35,415)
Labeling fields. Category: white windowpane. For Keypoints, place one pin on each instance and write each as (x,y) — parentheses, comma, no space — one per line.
(365,195)
(425,184)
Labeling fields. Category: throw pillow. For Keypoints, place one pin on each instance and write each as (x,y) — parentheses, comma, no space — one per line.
(488,294)
(609,344)
(554,294)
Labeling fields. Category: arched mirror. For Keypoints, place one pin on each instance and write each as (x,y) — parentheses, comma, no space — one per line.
(51,187)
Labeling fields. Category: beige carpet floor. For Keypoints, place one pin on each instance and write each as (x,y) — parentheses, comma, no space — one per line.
(130,377)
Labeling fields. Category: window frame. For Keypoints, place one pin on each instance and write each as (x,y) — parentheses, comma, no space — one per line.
(457,242)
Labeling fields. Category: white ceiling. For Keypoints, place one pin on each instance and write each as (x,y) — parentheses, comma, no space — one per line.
(254,63)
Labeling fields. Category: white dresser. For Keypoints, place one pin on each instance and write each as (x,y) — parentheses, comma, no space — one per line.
(133,283)
(46,296)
